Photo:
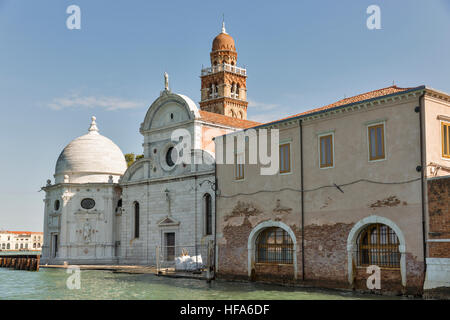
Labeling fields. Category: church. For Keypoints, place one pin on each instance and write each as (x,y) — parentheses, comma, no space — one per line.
(98,211)
(361,183)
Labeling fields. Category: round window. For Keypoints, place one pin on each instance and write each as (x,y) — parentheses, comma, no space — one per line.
(87,203)
(56,205)
(170,157)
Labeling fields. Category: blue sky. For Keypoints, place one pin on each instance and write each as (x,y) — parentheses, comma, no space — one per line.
(299,55)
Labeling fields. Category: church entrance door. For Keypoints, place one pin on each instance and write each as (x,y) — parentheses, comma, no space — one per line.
(170,246)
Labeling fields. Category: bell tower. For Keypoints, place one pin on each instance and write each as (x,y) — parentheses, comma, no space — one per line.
(224,88)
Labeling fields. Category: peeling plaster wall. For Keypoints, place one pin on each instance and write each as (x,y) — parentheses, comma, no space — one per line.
(329,213)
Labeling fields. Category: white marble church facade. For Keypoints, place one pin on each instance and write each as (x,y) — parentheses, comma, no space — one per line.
(173,203)
(98,211)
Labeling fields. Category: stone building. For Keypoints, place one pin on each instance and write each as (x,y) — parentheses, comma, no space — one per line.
(20,240)
(350,192)
(79,214)
(98,211)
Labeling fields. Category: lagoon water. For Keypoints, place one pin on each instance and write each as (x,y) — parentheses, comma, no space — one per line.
(105,285)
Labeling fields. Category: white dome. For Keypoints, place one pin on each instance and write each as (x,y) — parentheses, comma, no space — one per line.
(90,155)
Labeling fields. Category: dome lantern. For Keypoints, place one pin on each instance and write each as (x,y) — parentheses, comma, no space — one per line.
(93,128)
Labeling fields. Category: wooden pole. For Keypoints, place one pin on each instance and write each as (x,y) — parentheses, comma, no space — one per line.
(20,262)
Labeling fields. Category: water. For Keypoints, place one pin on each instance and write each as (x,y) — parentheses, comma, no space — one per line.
(51,284)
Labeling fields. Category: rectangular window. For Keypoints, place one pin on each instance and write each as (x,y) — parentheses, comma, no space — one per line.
(446,140)
(376,142)
(326,151)
(239,167)
(285,158)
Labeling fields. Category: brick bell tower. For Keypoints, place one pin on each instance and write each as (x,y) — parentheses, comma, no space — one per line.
(224,88)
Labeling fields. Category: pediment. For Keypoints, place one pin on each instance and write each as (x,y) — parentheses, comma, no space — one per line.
(168,222)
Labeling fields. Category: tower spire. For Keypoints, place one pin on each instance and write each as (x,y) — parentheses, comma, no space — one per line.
(223,24)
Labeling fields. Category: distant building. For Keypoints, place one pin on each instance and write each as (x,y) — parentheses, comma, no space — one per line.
(20,240)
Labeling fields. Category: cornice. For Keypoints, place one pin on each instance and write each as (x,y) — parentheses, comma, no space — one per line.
(169,178)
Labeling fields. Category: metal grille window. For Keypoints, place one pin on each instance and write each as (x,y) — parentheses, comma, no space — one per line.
(378,245)
(274,245)
(87,203)
(208,213)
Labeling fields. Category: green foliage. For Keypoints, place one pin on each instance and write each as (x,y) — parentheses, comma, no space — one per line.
(130,158)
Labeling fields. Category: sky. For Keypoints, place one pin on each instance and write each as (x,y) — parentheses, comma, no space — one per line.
(299,55)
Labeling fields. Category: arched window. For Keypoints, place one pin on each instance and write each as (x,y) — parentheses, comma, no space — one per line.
(274,245)
(207,205)
(119,205)
(136,219)
(378,245)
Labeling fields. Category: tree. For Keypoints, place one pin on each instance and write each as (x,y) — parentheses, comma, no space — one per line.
(130,158)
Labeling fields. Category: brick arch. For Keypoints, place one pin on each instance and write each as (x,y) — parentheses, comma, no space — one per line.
(254,235)
(353,235)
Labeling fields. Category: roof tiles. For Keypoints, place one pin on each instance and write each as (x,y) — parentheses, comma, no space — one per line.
(227,121)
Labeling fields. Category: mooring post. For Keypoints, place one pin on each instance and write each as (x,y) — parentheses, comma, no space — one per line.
(210,260)
(157,260)
(38,260)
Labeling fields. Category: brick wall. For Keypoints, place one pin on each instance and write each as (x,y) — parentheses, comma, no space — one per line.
(326,255)
(439,217)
